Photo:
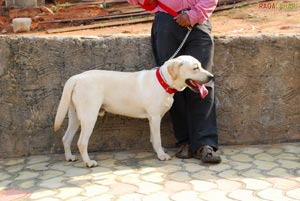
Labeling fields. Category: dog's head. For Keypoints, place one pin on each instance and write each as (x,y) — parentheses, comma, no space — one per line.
(186,71)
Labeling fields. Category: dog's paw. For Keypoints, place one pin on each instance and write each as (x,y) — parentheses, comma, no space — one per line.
(91,163)
(71,158)
(164,157)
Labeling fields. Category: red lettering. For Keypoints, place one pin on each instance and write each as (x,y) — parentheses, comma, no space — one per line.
(267,5)
(273,6)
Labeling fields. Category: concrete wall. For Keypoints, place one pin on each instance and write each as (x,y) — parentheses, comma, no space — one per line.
(257,88)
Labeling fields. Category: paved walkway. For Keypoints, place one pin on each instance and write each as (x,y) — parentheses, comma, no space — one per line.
(247,173)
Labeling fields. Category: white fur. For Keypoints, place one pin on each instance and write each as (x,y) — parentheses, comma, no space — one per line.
(133,94)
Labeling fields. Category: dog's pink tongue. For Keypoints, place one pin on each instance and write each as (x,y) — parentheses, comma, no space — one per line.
(203,91)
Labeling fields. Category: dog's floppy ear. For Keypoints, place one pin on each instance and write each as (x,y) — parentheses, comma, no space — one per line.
(173,68)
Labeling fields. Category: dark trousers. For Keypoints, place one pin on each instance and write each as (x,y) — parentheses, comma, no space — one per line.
(193,118)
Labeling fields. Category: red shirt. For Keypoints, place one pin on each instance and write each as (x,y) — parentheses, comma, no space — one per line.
(198,10)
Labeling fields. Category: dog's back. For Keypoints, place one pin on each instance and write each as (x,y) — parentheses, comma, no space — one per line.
(124,93)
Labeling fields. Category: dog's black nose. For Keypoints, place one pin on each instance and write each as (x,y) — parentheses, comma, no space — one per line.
(211,77)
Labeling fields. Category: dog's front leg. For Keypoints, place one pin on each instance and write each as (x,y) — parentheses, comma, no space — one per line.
(154,122)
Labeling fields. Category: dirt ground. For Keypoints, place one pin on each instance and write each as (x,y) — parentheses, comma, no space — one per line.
(272,17)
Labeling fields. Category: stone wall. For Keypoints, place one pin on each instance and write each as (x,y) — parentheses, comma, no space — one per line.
(257,88)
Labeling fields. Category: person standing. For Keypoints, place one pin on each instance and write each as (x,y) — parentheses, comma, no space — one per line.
(193,118)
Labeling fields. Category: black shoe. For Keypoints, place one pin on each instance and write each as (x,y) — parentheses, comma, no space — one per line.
(207,155)
(184,151)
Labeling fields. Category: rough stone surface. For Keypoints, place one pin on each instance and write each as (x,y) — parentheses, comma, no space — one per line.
(257,90)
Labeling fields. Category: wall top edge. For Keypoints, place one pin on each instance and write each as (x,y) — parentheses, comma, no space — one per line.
(215,36)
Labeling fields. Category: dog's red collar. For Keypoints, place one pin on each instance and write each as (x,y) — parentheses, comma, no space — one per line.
(163,83)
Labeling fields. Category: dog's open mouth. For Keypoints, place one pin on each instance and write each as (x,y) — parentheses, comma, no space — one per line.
(197,87)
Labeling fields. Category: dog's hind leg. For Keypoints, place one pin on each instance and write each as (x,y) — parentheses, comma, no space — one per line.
(155,137)
(73,126)
(88,116)
(87,126)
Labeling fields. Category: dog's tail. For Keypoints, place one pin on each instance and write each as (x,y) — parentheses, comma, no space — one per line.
(64,103)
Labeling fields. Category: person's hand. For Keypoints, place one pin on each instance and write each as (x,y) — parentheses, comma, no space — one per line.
(183,20)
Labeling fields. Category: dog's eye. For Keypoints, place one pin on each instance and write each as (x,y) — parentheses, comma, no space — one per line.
(196,68)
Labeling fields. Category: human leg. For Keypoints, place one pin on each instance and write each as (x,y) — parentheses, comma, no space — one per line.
(201,113)
(166,36)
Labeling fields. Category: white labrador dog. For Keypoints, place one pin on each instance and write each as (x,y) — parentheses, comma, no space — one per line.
(142,94)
